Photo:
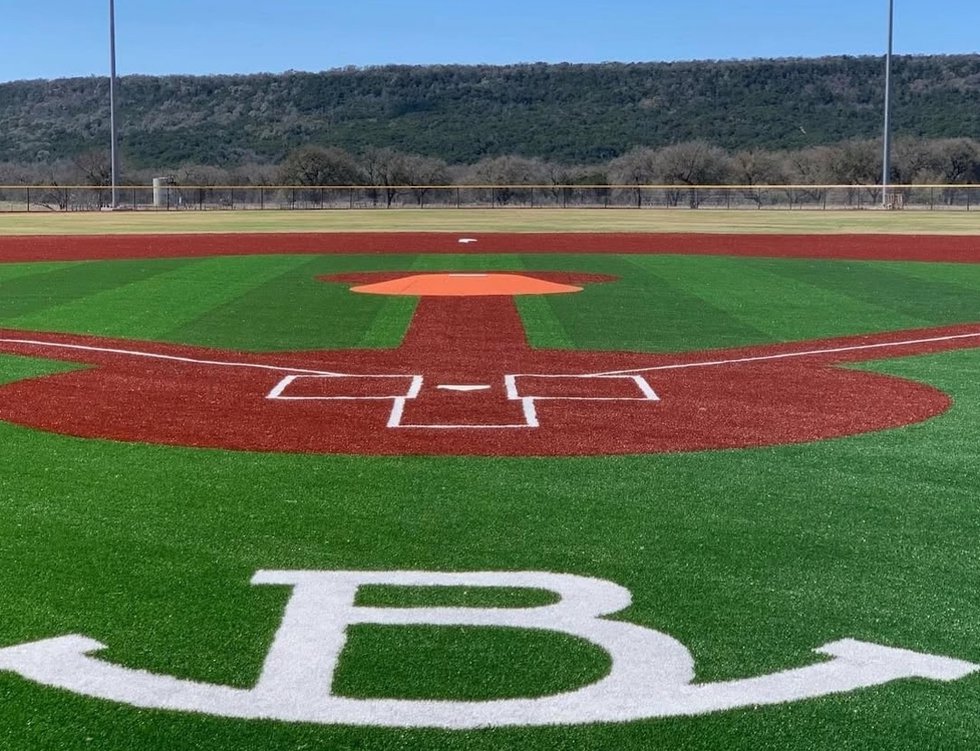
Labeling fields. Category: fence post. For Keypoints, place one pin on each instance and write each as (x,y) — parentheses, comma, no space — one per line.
(28,199)
(493,197)
(457,196)
(932,198)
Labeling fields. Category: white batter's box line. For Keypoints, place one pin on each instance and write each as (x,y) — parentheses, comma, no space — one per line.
(414,387)
(529,401)
(399,400)
(647,394)
(527,407)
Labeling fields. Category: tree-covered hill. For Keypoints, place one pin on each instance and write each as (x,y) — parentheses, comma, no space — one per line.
(570,113)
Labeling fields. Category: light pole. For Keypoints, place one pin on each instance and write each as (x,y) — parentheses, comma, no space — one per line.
(886,157)
(113,156)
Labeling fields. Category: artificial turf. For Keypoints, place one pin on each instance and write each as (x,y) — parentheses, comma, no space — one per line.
(751,558)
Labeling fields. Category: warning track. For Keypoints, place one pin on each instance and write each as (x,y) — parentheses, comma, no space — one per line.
(955,249)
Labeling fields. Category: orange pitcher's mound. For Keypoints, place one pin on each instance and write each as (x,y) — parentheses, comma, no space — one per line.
(465,285)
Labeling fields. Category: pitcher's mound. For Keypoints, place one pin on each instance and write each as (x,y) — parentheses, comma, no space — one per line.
(465,285)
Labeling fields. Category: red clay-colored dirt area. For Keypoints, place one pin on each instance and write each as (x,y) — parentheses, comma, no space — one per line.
(957,249)
(464,380)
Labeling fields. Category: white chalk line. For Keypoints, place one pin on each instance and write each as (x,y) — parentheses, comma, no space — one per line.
(512,392)
(171,358)
(787,355)
(528,402)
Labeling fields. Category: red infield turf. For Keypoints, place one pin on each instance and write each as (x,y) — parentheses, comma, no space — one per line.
(465,380)
(961,249)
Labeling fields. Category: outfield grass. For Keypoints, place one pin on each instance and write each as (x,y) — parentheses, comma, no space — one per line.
(499,220)
(751,558)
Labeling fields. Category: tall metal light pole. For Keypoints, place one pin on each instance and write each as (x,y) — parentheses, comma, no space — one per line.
(113,156)
(886,157)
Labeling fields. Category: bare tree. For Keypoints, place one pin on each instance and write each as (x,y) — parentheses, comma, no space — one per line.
(384,171)
(315,166)
(254,173)
(810,166)
(423,172)
(596,178)
(636,168)
(692,163)
(508,172)
(752,168)
(94,167)
(957,161)
(857,162)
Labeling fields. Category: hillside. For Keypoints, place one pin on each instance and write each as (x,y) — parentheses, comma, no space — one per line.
(569,113)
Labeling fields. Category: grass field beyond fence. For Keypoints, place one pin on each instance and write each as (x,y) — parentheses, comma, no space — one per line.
(494,220)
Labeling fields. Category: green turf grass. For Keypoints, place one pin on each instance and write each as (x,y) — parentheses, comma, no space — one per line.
(751,558)
(660,303)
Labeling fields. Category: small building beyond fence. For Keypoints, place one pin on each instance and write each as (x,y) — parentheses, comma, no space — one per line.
(171,197)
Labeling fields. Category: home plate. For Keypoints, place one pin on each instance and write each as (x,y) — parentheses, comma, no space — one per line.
(462,387)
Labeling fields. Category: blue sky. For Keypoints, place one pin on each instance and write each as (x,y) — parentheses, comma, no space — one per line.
(59,38)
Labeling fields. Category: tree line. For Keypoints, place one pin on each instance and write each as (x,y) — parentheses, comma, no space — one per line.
(468,115)
(394,173)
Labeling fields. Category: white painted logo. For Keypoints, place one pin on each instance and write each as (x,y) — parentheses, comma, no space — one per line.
(651,673)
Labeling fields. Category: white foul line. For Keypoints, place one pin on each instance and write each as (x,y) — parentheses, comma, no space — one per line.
(786,355)
(172,358)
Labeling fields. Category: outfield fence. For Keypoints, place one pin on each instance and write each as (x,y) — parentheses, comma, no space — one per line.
(58,198)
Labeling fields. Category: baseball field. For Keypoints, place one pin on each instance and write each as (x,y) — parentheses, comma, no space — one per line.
(490,479)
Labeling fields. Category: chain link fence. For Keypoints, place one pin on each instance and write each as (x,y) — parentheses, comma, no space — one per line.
(40,198)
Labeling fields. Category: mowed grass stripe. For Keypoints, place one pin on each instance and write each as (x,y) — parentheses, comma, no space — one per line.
(962,275)
(296,310)
(645,311)
(933,301)
(63,283)
(543,326)
(160,305)
(387,328)
(782,298)
(11,271)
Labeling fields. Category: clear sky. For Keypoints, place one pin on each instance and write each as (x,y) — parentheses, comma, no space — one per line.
(60,38)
